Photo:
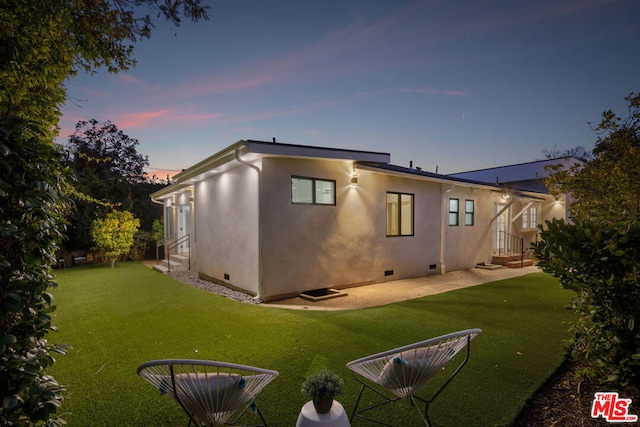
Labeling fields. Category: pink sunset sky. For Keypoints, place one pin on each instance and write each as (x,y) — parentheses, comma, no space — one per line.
(455,85)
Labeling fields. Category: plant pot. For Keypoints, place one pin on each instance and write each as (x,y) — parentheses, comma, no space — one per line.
(322,406)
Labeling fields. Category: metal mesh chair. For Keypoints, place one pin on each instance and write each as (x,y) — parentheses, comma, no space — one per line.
(209,392)
(402,372)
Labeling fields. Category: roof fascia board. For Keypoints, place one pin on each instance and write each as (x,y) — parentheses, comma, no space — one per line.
(220,158)
(173,188)
(442,180)
(182,179)
(289,150)
(524,195)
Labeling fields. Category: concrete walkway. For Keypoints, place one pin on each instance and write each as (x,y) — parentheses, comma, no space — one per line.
(402,290)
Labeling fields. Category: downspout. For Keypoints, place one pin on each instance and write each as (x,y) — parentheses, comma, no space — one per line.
(443,219)
(257,169)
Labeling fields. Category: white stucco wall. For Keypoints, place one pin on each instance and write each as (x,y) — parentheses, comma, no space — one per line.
(226,224)
(313,246)
(307,247)
(467,245)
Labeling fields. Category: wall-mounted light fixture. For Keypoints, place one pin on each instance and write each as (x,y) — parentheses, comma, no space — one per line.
(354,179)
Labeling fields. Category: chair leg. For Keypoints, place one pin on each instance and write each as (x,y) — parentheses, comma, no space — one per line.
(355,408)
(385,400)
(424,415)
(237,418)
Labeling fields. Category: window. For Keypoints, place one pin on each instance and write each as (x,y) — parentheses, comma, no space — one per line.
(469,212)
(530,218)
(399,214)
(454,209)
(311,191)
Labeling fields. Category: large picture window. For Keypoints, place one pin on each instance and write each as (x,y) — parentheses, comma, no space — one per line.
(454,210)
(312,191)
(469,212)
(399,214)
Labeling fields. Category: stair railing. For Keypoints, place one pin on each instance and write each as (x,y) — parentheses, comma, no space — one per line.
(174,244)
(510,244)
(161,243)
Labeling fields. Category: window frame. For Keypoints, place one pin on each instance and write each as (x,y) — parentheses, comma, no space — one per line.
(527,218)
(469,214)
(314,200)
(456,212)
(399,213)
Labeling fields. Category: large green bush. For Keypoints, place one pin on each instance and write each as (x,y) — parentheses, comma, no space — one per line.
(600,260)
(597,254)
(32,202)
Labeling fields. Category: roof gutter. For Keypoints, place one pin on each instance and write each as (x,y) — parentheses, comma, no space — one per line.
(259,172)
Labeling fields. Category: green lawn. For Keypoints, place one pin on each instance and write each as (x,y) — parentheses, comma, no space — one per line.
(116,319)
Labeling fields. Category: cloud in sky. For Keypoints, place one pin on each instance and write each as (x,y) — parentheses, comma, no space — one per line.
(326,56)
(135,82)
(143,118)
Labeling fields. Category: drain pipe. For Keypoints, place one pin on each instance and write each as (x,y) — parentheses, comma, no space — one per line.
(257,169)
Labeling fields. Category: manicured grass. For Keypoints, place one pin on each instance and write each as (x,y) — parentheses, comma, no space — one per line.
(116,319)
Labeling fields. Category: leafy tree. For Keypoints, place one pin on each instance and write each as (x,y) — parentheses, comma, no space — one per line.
(42,43)
(108,168)
(158,229)
(598,255)
(114,235)
(607,186)
(100,152)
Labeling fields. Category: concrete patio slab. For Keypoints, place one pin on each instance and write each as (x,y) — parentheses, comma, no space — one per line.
(402,290)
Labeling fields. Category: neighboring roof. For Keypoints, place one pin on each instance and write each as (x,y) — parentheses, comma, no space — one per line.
(515,173)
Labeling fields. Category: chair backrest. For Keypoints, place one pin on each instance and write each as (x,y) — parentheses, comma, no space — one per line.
(207,390)
(404,370)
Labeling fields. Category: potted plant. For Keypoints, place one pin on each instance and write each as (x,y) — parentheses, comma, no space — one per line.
(323,387)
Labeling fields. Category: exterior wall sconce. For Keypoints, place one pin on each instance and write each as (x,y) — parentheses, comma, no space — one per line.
(354,180)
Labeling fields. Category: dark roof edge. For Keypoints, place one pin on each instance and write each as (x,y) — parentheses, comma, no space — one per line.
(313,147)
(425,174)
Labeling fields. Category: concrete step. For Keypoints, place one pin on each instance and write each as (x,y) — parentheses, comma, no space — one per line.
(176,265)
(161,268)
(490,266)
(504,259)
(518,264)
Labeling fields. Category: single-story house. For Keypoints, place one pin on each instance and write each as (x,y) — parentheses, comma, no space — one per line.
(275,220)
